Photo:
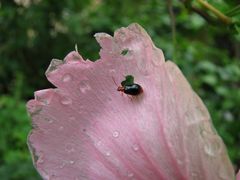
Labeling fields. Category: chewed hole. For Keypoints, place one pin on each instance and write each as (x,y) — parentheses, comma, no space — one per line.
(124,52)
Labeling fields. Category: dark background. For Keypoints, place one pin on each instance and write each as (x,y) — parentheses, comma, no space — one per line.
(32,32)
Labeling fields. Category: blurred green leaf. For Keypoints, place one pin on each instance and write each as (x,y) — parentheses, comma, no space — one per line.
(234,11)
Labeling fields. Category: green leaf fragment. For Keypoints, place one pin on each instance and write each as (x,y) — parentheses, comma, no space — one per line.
(129,80)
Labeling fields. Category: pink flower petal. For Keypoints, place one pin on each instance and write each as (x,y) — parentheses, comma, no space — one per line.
(238,175)
(85,128)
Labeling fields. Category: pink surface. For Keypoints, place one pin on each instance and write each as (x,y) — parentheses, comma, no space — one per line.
(238,175)
(85,129)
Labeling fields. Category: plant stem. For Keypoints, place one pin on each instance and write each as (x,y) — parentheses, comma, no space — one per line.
(225,19)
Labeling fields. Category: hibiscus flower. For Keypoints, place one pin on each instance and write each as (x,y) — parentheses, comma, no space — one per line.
(86,129)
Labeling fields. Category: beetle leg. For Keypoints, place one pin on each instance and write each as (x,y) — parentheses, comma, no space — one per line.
(130,97)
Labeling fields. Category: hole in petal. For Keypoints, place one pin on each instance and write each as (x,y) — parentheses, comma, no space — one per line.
(124,52)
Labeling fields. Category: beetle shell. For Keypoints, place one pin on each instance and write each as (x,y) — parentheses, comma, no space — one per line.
(133,89)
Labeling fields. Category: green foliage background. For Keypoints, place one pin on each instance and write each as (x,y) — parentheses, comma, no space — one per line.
(32,32)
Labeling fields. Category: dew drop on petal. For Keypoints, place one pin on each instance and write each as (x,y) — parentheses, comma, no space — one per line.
(84,86)
(108,153)
(112,71)
(60,128)
(99,143)
(212,147)
(45,101)
(66,101)
(135,147)
(67,78)
(116,134)
(50,121)
(69,148)
(35,110)
(62,165)
(130,175)
(122,36)
(71,162)
(40,160)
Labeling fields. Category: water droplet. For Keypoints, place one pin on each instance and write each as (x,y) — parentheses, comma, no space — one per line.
(69,148)
(72,118)
(71,162)
(212,147)
(45,101)
(112,71)
(67,78)
(206,130)
(108,153)
(35,109)
(50,121)
(66,101)
(130,175)
(44,96)
(121,36)
(135,147)
(40,160)
(116,134)
(84,86)
(60,128)
(62,165)
(99,143)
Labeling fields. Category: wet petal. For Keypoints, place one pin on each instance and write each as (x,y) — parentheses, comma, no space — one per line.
(85,128)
